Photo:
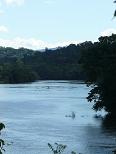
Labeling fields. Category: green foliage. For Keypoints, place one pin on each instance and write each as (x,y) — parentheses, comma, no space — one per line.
(2,126)
(58,149)
(24,65)
(17,73)
(99,62)
(2,143)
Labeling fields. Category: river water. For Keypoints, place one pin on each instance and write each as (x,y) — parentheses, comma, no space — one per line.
(39,113)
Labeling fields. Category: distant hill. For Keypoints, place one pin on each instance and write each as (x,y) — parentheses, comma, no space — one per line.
(52,64)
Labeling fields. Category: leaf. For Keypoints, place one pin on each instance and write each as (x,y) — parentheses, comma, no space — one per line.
(59,148)
(115,13)
(2,142)
(2,126)
(1,152)
(50,146)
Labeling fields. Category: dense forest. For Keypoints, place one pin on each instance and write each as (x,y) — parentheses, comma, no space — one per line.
(24,65)
(99,63)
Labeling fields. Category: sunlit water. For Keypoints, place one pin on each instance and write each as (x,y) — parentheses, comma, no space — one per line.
(39,113)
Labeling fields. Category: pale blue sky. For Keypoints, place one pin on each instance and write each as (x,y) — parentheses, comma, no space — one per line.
(40,23)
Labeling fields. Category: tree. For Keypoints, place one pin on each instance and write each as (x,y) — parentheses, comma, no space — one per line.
(17,72)
(99,63)
(115,10)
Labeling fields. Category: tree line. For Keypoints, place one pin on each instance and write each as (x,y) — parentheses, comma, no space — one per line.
(24,65)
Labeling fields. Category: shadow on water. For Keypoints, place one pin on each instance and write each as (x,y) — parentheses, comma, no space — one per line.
(108,127)
(109,123)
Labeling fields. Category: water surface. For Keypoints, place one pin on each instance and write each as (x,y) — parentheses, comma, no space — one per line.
(38,113)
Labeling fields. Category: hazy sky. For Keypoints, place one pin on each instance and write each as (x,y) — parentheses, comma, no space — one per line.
(49,23)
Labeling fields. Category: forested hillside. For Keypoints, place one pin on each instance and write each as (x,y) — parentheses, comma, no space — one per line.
(24,65)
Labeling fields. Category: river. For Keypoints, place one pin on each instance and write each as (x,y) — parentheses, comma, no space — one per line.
(39,113)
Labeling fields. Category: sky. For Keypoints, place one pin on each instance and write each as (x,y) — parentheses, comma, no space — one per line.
(38,24)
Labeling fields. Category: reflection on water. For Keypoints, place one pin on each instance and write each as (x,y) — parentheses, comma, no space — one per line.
(109,124)
(52,111)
